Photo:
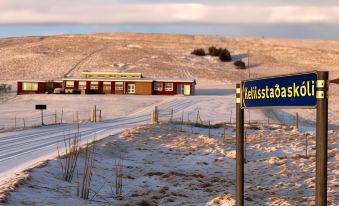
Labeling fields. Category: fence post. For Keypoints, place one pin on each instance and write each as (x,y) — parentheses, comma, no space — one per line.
(62,115)
(245,141)
(95,113)
(306,145)
(231,118)
(209,128)
(55,117)
(196,122)
(24,122)
(15,122)
(100,117)
(171,119)
(156,114)
(182,120)
(297,120)
(225,133)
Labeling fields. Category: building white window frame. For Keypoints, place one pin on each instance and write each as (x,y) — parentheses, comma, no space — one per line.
(158,86)
(169,86)
(131,90)
(119,85)
(30,86)
(69,84)
(94,85)
(82,85)
(107,85)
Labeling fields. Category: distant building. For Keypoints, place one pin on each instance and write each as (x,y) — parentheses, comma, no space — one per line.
(112,83)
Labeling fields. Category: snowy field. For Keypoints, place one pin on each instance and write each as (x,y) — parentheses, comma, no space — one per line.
(25,148)
(169,165)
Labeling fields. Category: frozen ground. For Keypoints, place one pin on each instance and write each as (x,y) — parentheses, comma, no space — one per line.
(25,148)
(164,165)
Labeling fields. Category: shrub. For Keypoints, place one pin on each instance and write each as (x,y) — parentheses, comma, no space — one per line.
(240,64)
(225,55)
(213,51)
(199,52)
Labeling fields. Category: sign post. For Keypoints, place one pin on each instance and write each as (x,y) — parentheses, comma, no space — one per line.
(239,148)
(321,139)
(303,91)
(41,107)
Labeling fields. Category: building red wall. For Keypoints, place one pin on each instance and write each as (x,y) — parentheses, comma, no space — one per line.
(163,92)
(41,88)
(57,85)
(19,88)
(112,87)
(101,87)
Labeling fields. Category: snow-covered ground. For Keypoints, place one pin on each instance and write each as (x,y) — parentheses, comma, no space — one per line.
(166,166)
(21,149)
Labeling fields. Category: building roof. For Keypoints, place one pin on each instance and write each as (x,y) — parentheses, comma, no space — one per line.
(144,79)
(91,74)
(110,79)
(40,80)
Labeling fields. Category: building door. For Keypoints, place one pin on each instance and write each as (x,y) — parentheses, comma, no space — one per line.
(130,88)
(180,88)
(187,89)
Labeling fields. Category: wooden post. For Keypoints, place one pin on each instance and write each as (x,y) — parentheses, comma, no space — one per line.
(209,128)
(62,115)
(95,113)
(231,118)
(156,114)
(77,117)
(245,140)
(225,133)
(306,137)
(42,117)
(15,122)
(24,122)
(321,139)
(100,117)
(297,120)
(239,148)
(55,117)
(171,119)
(182,120)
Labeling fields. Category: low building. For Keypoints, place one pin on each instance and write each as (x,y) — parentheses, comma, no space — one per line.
(37,86)
(116,83)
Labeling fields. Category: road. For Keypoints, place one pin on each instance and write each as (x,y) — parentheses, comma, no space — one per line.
(23,149)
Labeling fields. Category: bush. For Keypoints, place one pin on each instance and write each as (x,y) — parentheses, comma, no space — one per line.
(199,52)
(240,64)
(225,55)
(213,51)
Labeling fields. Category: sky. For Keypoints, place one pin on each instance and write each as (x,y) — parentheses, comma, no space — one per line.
(170,11)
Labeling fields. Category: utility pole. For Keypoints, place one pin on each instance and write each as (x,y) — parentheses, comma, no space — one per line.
(248,64)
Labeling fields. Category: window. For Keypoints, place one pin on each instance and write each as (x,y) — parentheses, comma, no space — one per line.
(168,86)
(107,85)
(30,86)
(158,86)
(82,85)
(70,84)
(94,85)
(131,88)
(119,85)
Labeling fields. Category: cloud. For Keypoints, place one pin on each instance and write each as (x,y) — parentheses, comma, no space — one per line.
(107,11)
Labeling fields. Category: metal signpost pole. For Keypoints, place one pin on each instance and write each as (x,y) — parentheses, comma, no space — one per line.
(239,148)
(321,139)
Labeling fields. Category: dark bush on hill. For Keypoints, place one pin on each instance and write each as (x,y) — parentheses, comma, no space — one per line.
(199,52)
(213,51)
(225,55)
(240,64)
